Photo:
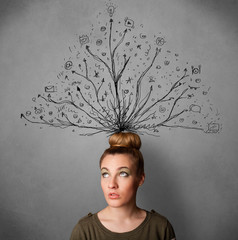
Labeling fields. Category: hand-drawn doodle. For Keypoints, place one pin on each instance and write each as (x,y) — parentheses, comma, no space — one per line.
(84,39)
(99,42)
(111,10)
(28,113)
(68,65)
(196,70)
(142,36)
(129,22)
(195,108)
(123,79)
(50,89)
(213,128)
(160,41)
(103,28)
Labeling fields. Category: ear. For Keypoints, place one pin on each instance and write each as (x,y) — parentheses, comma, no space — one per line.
(142,179)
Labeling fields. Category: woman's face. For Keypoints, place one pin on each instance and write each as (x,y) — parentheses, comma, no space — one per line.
(119,180)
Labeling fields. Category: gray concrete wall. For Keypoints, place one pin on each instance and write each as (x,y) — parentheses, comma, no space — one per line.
(49,177)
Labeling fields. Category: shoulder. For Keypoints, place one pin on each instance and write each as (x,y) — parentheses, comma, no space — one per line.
(157,216)
(85,220)
(161,223)
(157,219)
(84,223)
(82,227)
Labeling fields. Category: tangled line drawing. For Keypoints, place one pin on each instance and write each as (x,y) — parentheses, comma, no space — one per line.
(119,78)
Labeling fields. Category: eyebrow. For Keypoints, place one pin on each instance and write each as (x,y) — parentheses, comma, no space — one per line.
(104,168)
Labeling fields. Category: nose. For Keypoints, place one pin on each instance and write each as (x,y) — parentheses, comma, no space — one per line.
(113,183)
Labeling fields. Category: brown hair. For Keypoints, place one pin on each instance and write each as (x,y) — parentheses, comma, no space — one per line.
(126,143)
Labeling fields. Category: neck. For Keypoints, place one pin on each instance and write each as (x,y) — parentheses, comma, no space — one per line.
(125,212)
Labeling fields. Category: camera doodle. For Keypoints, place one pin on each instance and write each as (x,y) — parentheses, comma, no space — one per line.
(118,77)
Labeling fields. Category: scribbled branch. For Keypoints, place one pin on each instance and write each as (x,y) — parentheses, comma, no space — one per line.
(163,99)
(97,58)
(138,85)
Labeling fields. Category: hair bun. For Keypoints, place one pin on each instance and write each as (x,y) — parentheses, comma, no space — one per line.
(125,139)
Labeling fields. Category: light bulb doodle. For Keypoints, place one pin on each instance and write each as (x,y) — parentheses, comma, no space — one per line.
(111,10)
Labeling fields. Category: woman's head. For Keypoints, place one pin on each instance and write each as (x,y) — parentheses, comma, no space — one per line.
(126,143)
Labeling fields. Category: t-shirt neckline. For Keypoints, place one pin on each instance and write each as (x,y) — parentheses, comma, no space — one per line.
(124,234)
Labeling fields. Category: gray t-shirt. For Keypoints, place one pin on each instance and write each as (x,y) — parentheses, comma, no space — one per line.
(154,227)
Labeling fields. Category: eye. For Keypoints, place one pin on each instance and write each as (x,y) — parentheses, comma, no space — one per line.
(105,175)
(124,174)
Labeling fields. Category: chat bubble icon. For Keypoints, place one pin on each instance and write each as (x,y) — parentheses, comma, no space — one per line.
(195,108)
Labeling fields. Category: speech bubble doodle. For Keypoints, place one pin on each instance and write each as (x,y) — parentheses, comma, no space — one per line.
(195,108)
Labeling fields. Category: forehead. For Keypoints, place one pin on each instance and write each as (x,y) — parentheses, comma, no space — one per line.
(117,160)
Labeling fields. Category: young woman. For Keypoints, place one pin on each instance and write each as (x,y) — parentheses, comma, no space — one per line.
(122,172)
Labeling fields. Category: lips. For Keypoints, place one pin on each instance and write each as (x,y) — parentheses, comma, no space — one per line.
(113,195)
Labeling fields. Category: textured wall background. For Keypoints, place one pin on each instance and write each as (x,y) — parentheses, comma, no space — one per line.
(49,177)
